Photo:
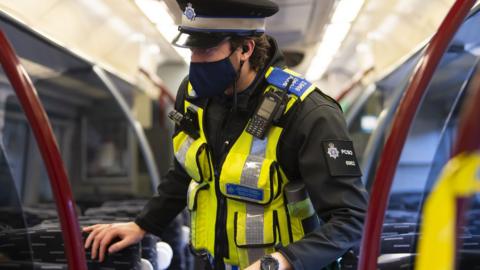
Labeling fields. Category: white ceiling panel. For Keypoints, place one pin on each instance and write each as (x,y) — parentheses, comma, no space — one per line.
(386,31)
(28,11)
(299,23)
(291,18)
(109,32)
(70,21)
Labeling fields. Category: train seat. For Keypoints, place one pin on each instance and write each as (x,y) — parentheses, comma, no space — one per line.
(47,247)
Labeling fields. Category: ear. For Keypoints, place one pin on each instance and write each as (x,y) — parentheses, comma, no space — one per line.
(247,49)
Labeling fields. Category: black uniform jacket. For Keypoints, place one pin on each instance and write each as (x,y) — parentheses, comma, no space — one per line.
(339,200)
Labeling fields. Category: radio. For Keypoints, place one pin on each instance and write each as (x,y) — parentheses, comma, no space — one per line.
(270,110)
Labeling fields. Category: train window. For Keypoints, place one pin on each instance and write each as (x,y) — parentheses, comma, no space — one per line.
(23,154)
(15,138)
(365,122)
(45,192)
(427,149)
(363,116)
(107,154)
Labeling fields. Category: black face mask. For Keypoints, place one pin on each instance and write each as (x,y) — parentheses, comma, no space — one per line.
(212,78)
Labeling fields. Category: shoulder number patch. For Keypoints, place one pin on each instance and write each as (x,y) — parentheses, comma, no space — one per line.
(341,158)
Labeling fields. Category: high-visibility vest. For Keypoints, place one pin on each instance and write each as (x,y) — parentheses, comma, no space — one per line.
(251,180)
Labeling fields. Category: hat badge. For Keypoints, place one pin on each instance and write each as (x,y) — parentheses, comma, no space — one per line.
(190,12)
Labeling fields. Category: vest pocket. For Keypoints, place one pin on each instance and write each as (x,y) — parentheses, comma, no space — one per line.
(255,230)
(202,159)
(252,179)
(193,155)
(197,203)
(254,234)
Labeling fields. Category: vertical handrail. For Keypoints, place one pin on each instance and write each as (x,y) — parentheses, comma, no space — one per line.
(42,130)
(137,129)
(403,118)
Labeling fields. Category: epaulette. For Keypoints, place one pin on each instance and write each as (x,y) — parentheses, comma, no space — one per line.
(284,78)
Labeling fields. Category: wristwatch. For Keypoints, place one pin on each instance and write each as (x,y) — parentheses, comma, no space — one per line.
(268,262)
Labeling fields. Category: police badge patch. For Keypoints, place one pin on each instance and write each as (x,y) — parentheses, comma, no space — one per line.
(332,151)
(189,12)
(341,159)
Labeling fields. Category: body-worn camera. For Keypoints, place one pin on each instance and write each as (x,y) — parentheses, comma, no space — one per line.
(187,122)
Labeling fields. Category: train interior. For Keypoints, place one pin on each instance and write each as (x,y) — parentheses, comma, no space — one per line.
(427,149)
(103,157)
(115,145)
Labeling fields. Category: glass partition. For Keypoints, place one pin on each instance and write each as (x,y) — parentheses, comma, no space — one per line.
(363,118)
(428,147)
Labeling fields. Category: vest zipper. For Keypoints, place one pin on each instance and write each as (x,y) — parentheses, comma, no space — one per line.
(217,264)
(221,247)
(220,228)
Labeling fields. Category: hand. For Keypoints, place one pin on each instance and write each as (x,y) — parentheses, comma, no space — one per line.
(282,261)
(100,235)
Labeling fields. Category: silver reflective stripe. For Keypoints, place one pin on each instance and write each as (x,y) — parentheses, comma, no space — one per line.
(253,164)
(254,234)
(181,154)
(255,213)
(254,231)
(254,226)
(251,171)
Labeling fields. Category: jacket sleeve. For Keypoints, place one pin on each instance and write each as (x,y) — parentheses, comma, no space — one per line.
(339,201)
(171,199)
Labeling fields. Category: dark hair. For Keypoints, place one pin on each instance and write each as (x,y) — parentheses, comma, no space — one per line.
(261,52)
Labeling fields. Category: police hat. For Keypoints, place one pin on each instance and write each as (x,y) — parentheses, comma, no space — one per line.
(206,23)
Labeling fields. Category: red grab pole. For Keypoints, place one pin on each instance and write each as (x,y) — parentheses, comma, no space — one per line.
(38,120)
(403,118)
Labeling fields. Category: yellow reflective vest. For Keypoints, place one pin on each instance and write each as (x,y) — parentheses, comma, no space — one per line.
(251,180)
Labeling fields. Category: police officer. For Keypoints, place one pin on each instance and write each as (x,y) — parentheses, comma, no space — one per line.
(260,153)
